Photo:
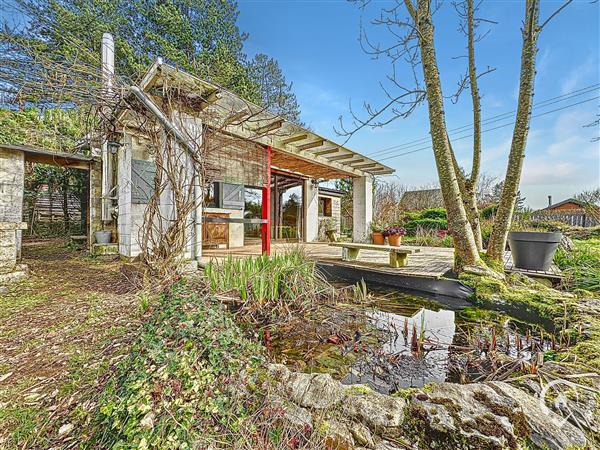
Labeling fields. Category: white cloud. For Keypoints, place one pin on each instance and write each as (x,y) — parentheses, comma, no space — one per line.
(542,170)
(579,74)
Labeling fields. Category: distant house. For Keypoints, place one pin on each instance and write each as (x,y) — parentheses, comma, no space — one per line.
(568,204)
(570,211)
(422,199)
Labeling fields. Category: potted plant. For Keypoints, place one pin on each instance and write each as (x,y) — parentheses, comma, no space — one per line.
(394,235)
(330,229)
(377,233)
(533,250)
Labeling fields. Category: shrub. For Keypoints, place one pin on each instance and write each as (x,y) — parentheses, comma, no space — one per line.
(431,238)
(433,213)
(427,224)
(488,212)
(187,382)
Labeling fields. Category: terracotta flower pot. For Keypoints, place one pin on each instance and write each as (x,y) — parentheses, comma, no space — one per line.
(378,238)
(395,239)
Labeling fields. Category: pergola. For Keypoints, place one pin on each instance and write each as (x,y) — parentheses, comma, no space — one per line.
(287,146)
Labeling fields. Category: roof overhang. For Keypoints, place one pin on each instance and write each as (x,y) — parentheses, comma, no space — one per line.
(43,156)
(295,148)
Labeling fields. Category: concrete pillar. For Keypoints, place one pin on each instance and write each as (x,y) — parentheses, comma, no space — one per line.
(310,194)
(362,204)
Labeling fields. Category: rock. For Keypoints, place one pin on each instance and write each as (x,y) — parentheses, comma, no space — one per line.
(317,391)
(65,429)
(490,415)
(375,410)
(547,429)
(298,418)
(337,435)
(361,434)
(148,420)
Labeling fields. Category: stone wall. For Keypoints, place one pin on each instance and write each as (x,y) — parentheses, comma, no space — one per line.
(12,178)
(493,415)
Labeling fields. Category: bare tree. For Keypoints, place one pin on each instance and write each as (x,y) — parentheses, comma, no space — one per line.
(413,43)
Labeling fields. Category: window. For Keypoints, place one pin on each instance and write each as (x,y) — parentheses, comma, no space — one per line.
(211,195)
(324,207)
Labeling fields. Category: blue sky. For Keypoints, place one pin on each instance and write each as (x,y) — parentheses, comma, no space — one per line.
(316,44)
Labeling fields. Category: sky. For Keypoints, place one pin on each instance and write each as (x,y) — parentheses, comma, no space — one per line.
(317,46)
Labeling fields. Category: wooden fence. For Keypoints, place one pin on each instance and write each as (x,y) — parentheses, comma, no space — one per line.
(573,217)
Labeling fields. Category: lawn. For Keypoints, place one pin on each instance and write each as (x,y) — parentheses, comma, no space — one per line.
(59,331)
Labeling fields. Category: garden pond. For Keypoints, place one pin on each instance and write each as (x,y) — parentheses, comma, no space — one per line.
(393,340)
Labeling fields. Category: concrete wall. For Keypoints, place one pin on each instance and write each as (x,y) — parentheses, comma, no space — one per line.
(131,216)
(310,196)
(12,179)
(362,208)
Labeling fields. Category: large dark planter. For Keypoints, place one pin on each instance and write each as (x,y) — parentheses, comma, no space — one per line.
(533,250)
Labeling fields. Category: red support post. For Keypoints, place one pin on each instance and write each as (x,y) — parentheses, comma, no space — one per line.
(266,207)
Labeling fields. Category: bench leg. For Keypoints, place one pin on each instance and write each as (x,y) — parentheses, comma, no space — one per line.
(351,254)
(398,259)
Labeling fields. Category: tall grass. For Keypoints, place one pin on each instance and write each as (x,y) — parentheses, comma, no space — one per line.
(275,286)
(581,266)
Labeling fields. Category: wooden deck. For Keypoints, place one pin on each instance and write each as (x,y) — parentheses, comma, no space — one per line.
(553,273)
(430,262)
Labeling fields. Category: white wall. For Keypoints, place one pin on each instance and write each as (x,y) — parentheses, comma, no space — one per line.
(362,203)
(310,196)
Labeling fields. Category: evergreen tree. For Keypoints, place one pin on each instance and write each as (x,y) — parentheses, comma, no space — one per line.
(275,93)
(200,36)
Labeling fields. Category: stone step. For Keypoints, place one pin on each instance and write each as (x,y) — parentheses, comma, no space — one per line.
(105,249)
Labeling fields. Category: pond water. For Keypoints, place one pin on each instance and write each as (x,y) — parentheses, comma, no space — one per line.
(399,340)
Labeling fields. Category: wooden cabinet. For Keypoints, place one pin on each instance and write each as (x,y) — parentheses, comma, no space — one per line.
(215,234)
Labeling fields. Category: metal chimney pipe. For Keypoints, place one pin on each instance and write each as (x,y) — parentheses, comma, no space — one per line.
(108,74)
(108,60)
(549,200)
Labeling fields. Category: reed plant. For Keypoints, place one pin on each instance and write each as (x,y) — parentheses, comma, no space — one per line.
(270,288)
(581,266)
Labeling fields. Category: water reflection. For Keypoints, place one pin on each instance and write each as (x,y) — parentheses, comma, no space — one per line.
(394,365)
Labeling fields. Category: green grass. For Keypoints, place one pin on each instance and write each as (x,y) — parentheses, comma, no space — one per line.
(581,267)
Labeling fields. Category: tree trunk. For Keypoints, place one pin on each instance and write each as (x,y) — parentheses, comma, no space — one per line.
(510,189)
(471,184)
(464,242)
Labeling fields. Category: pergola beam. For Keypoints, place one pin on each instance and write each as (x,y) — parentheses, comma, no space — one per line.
(326,152)
(312,144)
(211,98)
(298,137)
(365,166)
(269,127)
(342,157)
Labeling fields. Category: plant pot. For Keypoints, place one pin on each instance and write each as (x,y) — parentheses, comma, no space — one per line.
(533,250)
(331,235)
(103,236)
(395,239)
(377,238)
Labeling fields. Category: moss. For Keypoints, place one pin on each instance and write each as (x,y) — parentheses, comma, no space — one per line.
(405,393)
(359,389)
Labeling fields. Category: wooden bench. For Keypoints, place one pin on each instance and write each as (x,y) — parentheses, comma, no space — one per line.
(398,255)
